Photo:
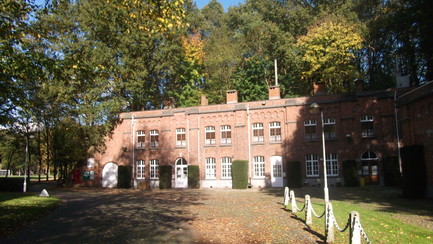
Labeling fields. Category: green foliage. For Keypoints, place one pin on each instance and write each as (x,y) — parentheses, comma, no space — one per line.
(13,184)
(240,174)
(350,173)
(124,176)
(165,176)
(193,176)
(19,210)
(329,50)
(294,173)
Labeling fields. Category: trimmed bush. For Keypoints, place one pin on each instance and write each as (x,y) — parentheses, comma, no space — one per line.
(391,171)
(294,174)
(193,176)
(414,173)
(13,184)
(165,176)
(240,174)
(350,173)
(124,176)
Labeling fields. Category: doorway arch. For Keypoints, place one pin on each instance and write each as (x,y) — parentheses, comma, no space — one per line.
(370,168)
(110,175)
(181,173)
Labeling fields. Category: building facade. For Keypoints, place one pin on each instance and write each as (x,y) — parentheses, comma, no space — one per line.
(270,134)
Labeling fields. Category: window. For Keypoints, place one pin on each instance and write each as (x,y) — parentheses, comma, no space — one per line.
(210,135)
(226,134)
(154,138)
(154,169)
(367,128)
(259,166)
(275,131)
(329,129)
(312,164)
(258,133)
(140,169)
(331,164)
(226,168)
(310,130)
(180,137)
(140,139)
(210,168)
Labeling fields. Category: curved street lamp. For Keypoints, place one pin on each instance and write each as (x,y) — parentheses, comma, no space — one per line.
(314,109)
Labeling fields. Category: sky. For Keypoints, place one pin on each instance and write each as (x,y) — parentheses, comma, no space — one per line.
(226,3)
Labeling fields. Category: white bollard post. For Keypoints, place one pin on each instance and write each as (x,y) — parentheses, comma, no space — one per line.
(286,196)
(355,231)
(308,210)
(293,201)
(329,223)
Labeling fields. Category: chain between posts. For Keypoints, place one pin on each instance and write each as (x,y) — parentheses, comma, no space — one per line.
(356,230)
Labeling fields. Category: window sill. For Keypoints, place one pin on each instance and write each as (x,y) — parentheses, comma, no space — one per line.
(180,147)
(213,145)
(225,145)
(258,143)
(276,142)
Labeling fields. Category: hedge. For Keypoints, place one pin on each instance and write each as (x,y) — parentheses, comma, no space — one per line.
(165,176)
(13,184)
(193,176)
(124,176)
(350,173)
(294,174)
(240,174)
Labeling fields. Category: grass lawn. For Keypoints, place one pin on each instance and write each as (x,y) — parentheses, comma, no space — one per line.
(385,216)
(21,209)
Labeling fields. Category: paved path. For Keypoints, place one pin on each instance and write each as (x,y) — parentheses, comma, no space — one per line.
(164,216)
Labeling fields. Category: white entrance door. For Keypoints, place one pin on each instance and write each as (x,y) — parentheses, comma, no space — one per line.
(109,175)
(277,171)
(181,177)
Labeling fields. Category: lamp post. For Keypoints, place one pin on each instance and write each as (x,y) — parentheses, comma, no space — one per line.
(314,109)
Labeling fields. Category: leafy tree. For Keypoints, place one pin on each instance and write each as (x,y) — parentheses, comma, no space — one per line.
(328,51)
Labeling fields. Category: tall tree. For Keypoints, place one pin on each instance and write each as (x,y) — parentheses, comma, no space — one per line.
(329,54)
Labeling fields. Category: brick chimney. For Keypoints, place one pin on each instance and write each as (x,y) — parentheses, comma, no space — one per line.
(319,88)
(204,101)
(232,96)
(274,92)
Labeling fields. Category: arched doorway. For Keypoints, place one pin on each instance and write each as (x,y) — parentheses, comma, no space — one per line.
(109,175)
(181,173)
(370,168)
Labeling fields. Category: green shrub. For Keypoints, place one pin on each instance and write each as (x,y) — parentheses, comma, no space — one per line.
(414,184)
(13,184)
(193,176)
(124,176)
(350,173)
(165,176)
(294,174)
(240,174)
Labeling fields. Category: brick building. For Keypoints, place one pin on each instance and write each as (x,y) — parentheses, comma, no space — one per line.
(415,116)
(270,134)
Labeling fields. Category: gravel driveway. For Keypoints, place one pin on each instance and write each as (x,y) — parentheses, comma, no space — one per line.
(95,215)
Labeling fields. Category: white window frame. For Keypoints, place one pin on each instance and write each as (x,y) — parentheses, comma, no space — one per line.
(182,133)
(210,130)
(210,168)
(274,128)
(154,166)
(226,134)
(154,138)
(258,132)
(327,124)
(259,166)
(140,143)
(226,168)
(140,167)
(369,121)
(310,124)
(332,164)
(312,165)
